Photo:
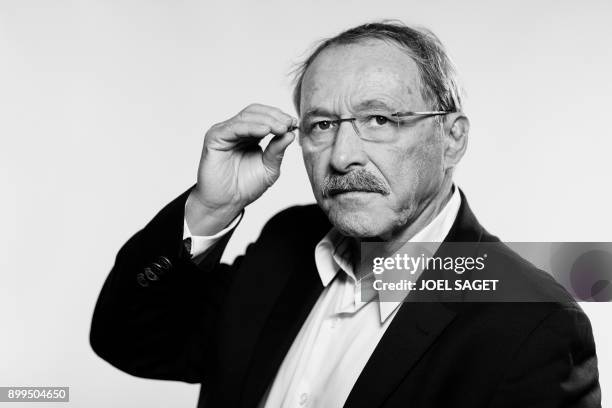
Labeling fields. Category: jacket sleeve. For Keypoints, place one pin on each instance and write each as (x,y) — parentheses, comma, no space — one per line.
(556,366)
(157,310)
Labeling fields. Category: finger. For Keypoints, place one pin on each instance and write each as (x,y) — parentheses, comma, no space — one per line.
(272,111)
(273,155)
(224,136)
(277,127)
(243,130)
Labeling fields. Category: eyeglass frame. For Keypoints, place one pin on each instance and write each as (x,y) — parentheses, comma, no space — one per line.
(407,114)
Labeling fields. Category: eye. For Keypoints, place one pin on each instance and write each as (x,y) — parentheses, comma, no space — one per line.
(322,125)
(379,120)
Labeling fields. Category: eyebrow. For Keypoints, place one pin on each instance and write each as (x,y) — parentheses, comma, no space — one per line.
(361,106)
(317,112)
(373,104)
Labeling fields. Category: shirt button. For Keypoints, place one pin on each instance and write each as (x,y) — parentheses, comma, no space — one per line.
(335,321)
(303,399)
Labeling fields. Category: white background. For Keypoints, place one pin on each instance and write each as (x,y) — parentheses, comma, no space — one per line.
(103,106)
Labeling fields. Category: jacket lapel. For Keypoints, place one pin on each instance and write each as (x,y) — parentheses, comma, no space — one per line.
(412,331)
(283,325)
(296,297)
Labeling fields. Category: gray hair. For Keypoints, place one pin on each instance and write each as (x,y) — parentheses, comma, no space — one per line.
(439,80)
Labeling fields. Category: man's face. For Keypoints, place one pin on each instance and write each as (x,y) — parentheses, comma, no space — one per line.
(363,80)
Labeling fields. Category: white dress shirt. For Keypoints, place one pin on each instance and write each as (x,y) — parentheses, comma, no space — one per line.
(342,330)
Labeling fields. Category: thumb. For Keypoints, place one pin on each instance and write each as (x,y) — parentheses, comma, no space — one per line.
(273,155)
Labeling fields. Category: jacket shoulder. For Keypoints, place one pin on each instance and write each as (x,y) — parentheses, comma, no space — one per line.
(307,221)
(525,281)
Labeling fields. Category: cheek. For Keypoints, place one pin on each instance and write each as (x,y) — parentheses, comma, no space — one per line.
(414,169)
(315,165)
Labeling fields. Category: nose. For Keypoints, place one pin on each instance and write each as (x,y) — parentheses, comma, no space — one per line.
(347,150)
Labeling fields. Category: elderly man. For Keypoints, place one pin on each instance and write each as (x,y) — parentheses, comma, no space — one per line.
(381,129)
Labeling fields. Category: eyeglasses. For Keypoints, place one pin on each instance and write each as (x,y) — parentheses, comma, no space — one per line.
(374,127)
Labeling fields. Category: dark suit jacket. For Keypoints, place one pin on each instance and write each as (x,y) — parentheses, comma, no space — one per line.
(229,327)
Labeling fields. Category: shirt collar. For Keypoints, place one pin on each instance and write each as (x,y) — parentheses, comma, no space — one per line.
(333,252)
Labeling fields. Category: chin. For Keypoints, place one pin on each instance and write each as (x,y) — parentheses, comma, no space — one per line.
(359,223)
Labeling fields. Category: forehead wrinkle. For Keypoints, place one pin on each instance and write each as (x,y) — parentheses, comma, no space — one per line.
(382,103)
(346,73)
(361,94)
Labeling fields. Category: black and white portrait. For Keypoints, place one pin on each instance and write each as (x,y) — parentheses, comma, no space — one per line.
(307,204)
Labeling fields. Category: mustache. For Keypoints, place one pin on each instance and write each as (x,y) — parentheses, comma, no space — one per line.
(356,180)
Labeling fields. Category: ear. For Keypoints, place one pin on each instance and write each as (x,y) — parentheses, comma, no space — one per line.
(456,128)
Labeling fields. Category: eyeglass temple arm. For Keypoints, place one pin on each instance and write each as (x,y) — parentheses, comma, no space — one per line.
(424,113)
